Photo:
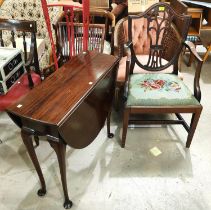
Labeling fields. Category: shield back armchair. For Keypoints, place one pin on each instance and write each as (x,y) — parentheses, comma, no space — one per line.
(141,47)
(155,91)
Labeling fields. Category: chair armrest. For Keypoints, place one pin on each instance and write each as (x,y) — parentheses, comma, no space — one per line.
(125,48)
(192,49)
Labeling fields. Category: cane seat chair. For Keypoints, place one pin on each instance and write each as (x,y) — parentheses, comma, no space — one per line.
(155,92)
(179,6)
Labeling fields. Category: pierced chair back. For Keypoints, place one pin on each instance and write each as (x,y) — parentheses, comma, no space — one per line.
(155,40)
(161,37)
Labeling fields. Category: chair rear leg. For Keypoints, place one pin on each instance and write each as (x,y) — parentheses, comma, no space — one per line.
(194,122)
(125,126)
(36,139)
(116,98)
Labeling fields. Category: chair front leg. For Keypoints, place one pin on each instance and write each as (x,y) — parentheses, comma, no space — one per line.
(125,126)
(194,122)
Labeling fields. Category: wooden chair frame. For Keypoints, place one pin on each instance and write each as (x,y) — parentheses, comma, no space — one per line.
(119,45)
(109,21)
(109,25)
(24,27)
(195,109)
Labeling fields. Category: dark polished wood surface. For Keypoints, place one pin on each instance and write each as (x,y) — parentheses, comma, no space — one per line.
(62,92)
(55,103)
(69,107)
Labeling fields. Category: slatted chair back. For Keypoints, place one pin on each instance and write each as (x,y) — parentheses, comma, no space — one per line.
(23,36)
(21,29)
(99,16)
(96,37)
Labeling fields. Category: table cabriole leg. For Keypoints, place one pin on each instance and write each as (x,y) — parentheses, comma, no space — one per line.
(27,140)
(60,149)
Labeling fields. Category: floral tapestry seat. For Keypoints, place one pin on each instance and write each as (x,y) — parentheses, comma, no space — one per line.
(158,90)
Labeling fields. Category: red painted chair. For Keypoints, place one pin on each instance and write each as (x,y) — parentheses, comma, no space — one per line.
(68,7)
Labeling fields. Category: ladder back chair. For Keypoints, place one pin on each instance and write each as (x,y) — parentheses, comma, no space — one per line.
(19,34)
(153,91)
(25,32)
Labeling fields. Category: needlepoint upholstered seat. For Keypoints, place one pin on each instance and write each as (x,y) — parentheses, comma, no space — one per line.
(158,90)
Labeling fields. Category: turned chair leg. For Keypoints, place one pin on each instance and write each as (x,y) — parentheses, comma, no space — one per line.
(125,126)
(194,122)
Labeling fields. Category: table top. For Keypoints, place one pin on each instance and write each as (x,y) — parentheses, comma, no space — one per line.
(62,92)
